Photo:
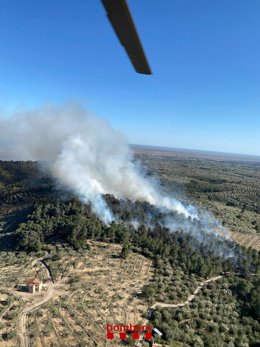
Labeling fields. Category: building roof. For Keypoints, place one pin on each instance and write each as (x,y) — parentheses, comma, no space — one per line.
(32,281)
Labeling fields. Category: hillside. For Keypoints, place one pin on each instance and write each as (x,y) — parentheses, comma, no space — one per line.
(114,273)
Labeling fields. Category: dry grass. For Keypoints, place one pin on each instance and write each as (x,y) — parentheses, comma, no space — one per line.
(247,240)
(92,288)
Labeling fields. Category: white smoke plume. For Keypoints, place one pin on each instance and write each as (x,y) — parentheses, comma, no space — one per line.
(89,157)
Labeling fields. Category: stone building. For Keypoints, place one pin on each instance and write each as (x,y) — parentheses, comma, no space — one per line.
(33,285)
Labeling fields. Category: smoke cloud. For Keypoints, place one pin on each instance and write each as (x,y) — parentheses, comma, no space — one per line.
(89,157)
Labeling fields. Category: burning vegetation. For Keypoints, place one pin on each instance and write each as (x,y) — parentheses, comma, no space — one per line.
(92,189)
(41,218)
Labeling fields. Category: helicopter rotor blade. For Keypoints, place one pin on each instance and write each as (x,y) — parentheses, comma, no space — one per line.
(121,20)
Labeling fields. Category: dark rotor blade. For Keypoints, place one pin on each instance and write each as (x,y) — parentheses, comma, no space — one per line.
(120,17)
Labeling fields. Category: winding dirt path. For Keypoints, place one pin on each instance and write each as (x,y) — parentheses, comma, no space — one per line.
(181,304)
(190,297)
(24,342)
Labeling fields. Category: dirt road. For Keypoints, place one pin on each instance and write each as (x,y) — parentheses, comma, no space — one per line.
(23,315)
(191,297)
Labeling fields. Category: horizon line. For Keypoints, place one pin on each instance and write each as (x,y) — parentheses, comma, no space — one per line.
(194,150)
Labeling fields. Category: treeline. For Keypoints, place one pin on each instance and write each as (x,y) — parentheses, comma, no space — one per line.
(74,222)
(67,221)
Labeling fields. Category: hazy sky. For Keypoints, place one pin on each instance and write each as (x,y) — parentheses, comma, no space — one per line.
(205,55)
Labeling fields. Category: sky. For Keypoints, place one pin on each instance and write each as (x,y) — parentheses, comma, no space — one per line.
(205,56)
